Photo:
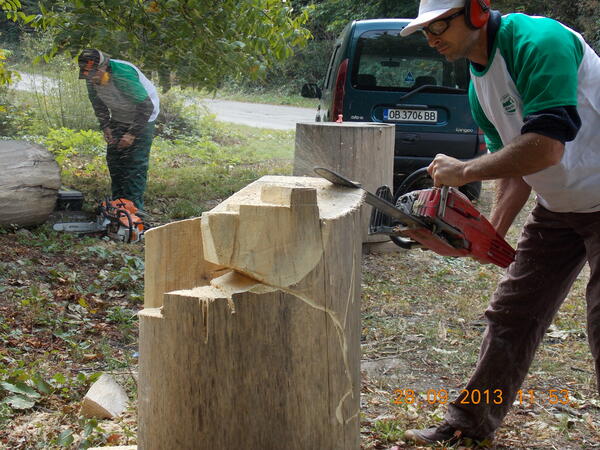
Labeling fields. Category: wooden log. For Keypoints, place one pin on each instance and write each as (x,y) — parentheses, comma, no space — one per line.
(266,355)
(29,183)
(361,151)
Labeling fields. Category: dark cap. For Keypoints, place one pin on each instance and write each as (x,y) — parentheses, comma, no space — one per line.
(90,60)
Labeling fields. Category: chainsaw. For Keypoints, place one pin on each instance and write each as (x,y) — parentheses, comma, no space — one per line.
(440,219)
(115,218)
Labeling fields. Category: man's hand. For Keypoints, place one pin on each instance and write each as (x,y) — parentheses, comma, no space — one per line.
(108,137)
(126,140)
(447,171)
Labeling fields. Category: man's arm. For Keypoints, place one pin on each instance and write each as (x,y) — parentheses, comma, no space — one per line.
(100,109)
(102,112)
(526,154)
(511,196)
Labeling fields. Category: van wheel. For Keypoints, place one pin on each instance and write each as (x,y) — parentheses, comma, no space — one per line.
(420,179)
(417,180)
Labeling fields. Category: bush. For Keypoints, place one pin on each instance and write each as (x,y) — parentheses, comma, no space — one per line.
(177,118)
(77,152)
(59,98)
(15,121)
(308,65)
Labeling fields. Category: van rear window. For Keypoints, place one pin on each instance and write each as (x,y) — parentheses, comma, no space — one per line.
(388,62)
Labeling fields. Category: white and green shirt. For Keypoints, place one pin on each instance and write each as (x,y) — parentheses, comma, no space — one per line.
(128,97)
(536,63)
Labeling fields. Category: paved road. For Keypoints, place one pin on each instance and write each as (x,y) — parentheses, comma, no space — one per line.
(259,115)
(251,114)
(29,83)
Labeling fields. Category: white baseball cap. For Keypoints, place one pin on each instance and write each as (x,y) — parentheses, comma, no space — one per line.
(430,10)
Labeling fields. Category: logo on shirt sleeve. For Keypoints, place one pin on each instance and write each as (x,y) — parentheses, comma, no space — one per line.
(509,104)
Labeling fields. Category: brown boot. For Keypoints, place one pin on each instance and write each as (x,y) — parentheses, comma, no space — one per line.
(444,433)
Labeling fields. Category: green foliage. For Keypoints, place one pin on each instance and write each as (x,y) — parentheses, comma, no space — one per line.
(198,42)
(23,387)
(65,144)
(331,16)
(177,117)
(388,430)
(131,274)
(287,77)
(121,315)
(14,119)
(5,74)
(21,396)
(13,12)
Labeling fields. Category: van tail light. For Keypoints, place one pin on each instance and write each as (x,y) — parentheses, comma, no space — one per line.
(482,147)
(339,90)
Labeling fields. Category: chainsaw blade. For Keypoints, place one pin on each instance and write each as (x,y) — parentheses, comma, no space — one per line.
(376,202)
(79,227)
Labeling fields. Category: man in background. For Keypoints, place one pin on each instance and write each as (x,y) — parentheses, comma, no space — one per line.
(126,105)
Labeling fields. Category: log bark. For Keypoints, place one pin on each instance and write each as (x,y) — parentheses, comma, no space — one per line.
(361,151)
(29,183)
(266,354)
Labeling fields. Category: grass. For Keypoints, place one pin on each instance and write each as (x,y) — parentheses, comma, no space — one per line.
(64,318)
(185,180)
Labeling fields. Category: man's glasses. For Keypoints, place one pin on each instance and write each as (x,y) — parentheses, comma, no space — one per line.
(438,27)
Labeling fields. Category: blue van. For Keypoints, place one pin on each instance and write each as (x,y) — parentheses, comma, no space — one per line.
(374,75)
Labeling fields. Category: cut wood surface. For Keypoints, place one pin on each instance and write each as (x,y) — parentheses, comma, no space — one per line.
(29,183)
(266,355)
(106,399)
(360,151)
(174,260)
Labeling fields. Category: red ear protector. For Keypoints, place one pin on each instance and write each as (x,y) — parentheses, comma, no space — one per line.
(477,13)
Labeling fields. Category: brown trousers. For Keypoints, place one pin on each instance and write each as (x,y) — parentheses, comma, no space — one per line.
(551,252)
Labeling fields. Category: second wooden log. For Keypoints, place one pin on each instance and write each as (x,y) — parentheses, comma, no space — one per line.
(360,151)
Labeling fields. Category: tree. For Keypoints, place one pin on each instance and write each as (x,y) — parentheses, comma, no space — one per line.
(330,16)
(13,12)
(196,42)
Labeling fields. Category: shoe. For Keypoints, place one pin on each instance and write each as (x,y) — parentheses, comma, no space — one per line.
(444,433)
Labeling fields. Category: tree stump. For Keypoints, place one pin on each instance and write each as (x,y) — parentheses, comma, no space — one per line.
(264,353)
(361,151)
(29,183)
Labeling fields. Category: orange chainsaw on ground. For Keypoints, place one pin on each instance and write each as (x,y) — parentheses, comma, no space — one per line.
(440,219)
(118,219)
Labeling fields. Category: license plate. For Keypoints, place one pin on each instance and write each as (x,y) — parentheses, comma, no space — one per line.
(410,115)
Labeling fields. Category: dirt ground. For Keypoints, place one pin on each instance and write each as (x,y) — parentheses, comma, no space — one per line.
(67,312)
(422,326)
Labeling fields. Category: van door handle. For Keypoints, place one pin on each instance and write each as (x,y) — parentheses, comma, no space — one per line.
(409,138)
